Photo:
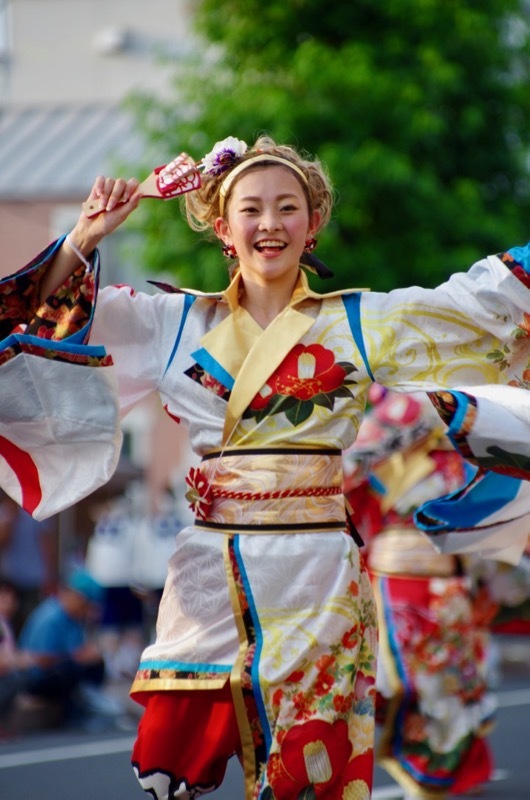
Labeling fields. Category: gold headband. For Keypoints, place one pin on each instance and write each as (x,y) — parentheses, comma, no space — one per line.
(249,162)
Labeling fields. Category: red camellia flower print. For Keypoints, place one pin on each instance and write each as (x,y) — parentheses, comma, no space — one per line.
(312,754)
(315,761)
(262,399)
(324,683)
(308,376)
(308,371)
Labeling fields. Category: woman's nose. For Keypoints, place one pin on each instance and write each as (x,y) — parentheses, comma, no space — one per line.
(270,220)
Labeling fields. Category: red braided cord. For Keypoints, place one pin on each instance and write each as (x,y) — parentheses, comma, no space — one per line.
(315,491)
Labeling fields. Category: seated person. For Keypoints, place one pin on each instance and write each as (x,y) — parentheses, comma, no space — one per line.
(68,668)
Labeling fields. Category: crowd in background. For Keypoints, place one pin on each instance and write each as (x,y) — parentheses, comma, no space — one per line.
(71,632)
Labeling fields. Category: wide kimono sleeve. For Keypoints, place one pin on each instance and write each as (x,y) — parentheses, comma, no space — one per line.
(61,394)
(467,343)
(139,331)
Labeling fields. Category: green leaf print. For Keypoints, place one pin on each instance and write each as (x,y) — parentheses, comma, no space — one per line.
(347,367)
(324,400)
(500,456)
(343,391)
(307,794)
(301,411)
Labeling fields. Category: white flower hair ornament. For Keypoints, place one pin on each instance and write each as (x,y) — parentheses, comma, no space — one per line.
(223,155)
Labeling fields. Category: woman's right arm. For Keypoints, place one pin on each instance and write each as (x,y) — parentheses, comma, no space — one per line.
(117,198)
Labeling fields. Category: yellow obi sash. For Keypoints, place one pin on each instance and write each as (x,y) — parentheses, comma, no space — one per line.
(406,551)
(273,490)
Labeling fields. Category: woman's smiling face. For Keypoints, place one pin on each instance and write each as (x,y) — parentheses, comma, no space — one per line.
(268,223)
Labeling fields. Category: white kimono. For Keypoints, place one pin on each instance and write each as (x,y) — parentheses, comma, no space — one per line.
(268,589)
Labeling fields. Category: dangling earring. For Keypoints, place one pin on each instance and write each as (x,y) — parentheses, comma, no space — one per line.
(229,251)
(310,245)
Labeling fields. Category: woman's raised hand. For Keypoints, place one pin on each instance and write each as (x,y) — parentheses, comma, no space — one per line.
(112,191)
(116,198)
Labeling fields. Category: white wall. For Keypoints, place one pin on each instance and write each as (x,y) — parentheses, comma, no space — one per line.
(88,50)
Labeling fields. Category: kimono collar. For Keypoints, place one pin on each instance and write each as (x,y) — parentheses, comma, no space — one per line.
(242,355)
(301,292)
(231,294)
(239,353)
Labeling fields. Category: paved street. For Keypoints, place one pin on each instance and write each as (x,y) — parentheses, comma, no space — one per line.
(78,766)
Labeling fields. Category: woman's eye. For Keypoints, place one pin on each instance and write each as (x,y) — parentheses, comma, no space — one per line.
(290,207)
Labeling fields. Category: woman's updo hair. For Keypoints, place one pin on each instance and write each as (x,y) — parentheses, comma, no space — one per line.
(202,206)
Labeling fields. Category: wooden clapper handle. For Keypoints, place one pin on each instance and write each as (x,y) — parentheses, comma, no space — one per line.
(170,180)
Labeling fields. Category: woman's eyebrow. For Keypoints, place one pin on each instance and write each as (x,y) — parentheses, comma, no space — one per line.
(249,198)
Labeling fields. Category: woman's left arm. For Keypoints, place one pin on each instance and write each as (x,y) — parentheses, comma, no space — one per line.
(472,330)
(467,343)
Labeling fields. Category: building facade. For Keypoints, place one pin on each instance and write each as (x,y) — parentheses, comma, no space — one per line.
(65,68)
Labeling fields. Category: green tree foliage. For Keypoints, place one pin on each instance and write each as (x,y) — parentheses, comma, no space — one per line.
(419,108)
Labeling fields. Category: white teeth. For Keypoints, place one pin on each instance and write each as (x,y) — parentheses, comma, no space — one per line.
(270,243)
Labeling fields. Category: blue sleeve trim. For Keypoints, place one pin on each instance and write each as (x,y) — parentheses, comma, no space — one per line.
(46,255)
(462,405)
(60,346)
(521,255)
(213,368)
(188,301)
(352,304)
(469,507)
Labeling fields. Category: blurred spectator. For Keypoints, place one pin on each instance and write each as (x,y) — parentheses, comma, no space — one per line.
(13,662)
(28,557)
(69,668)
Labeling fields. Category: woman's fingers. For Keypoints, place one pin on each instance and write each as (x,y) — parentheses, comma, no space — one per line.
(98,191)
(130,188)
(119,193)
(110,192)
